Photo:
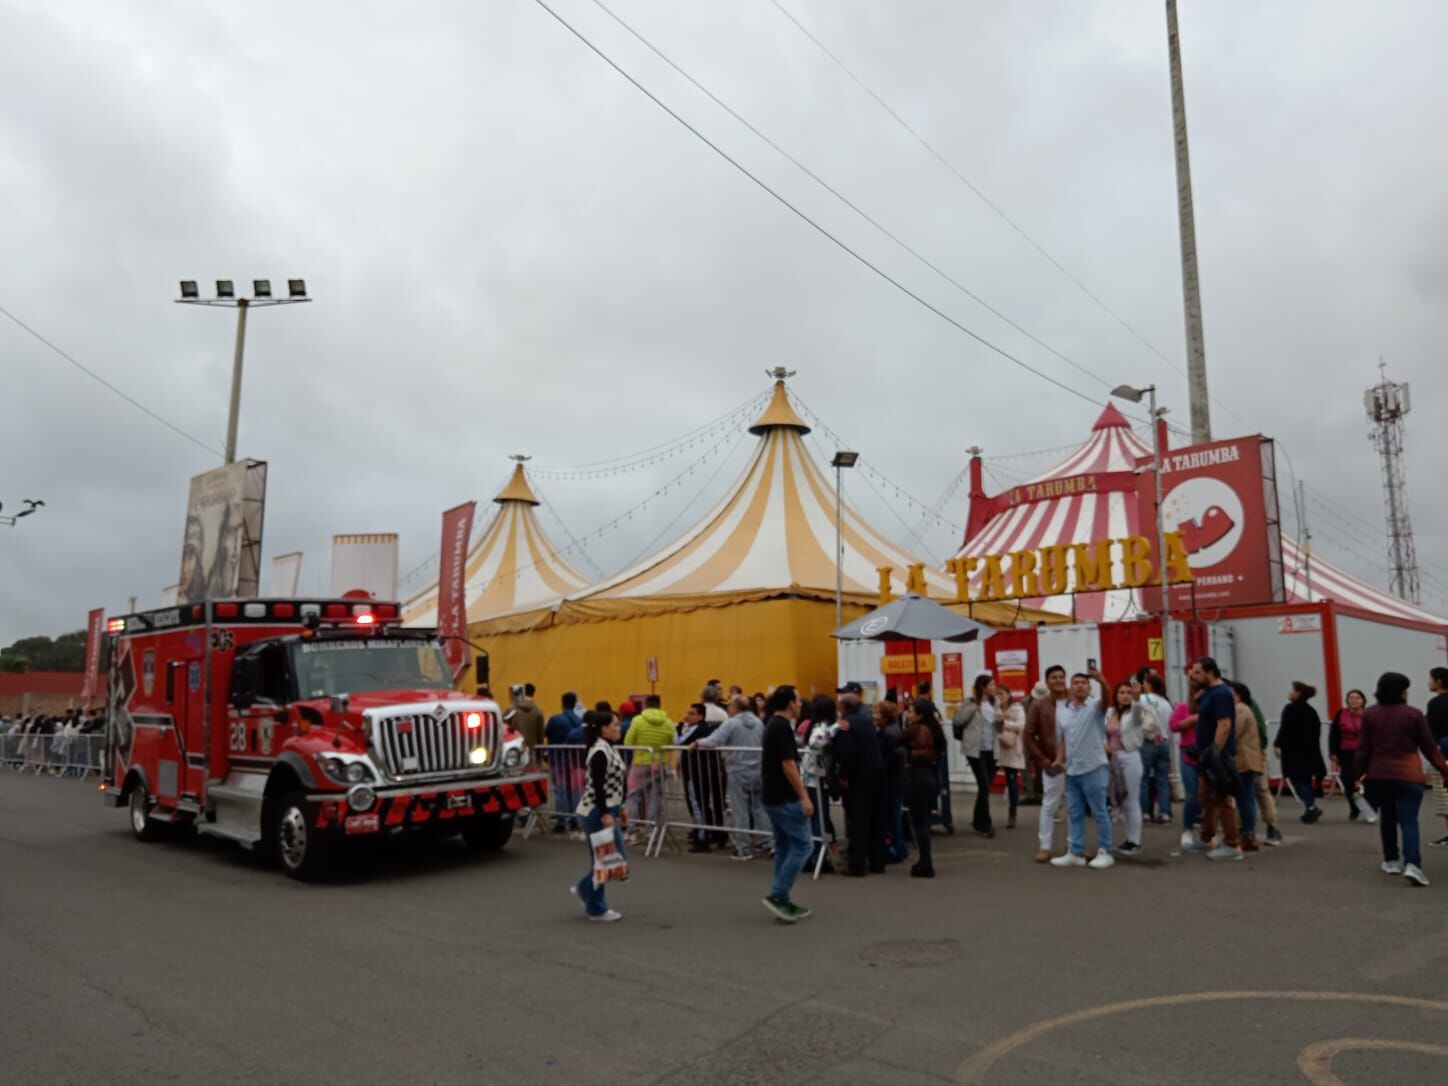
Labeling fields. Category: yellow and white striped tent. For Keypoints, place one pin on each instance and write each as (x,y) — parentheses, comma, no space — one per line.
(746,596)
(512,565)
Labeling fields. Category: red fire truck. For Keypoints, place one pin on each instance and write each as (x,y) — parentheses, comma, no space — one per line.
(293,725)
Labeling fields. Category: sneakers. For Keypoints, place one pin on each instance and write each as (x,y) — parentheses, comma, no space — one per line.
(1414,873)
(781,909)
(1274,836)
(1224,852)
(1392,867)
(1193,843)
(1188,839)
(1442,842)
(1102,860)
(1131,848)
(1370,816)
(800,912)
(1249,843)
(1044,855)
(609,917)
(1311,815)
(742,857)
(1070,859)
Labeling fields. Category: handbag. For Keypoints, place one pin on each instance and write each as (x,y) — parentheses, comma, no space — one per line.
(609,864)
(1219,770)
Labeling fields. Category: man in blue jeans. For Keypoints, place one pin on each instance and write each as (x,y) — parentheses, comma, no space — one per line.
(786,802)
(1156,752)
(1081,754)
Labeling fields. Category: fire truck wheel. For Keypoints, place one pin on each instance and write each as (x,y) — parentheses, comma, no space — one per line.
(303,852)
(487,833)
(142,825)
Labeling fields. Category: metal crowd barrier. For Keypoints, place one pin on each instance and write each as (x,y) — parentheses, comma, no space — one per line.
(56,754)
(673,790)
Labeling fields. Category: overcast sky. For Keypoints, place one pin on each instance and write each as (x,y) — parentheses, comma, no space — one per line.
(512,249)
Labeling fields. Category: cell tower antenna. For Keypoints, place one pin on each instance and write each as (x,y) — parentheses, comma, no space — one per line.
(1387,404)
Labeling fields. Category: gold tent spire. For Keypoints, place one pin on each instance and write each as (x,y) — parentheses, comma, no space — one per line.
(780,413)
(518,489)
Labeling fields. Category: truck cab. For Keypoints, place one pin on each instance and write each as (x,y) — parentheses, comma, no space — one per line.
(291,726)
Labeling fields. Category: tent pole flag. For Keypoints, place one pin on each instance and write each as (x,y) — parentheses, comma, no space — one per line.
(452,607)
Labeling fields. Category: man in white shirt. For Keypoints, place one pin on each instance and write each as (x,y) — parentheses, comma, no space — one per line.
(1156,751)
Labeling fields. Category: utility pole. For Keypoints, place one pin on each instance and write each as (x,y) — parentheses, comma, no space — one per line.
(1304,532)
(1387,405)
(1187,222)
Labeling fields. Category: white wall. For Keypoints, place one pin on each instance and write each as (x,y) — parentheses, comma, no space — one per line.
(1370,648)
(1069,646)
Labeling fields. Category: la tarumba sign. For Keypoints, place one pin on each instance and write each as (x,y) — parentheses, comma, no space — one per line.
(1060,570)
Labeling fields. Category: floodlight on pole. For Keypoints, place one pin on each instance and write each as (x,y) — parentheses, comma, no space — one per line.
(841,461)
(1126,392)
(226,296)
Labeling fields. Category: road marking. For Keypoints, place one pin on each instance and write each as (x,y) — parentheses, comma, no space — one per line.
(974,1070)
(1315,1061)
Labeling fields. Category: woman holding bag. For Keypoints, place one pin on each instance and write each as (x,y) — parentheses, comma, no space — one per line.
(602,811)
(1010,752)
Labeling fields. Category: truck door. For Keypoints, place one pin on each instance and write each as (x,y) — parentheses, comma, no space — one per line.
(186,693)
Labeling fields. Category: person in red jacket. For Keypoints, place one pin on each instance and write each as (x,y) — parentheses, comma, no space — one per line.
(1394,735)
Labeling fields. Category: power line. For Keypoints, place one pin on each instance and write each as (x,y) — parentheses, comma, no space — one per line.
(897,284)
(93,375)
(846,200)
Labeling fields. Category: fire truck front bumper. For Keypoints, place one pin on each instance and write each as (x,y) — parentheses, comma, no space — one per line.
(439,803)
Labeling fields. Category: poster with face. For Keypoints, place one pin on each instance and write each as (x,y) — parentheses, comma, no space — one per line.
(221,548)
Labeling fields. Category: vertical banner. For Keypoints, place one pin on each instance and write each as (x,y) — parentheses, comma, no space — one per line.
(952,677)
(286,573)
(221,549)
(94,624)
(452,604)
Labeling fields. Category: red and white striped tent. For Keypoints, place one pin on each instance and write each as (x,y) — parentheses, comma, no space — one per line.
(1110,511)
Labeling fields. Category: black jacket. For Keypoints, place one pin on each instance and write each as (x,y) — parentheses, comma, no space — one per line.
(1299,737)
(857,749)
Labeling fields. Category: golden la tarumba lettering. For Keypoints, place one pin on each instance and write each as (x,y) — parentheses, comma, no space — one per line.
(1058,570)
(885,573)
(915,579)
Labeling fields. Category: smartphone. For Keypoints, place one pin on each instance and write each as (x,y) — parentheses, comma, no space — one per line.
(1091,663)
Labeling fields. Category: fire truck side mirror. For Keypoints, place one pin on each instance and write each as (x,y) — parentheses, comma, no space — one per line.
(481,668)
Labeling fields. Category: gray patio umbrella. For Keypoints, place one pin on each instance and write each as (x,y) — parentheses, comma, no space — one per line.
(912,618)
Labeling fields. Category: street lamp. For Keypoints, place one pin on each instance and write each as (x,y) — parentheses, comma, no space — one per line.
(226,296)
(841,461)
(1136,395)
(31,505)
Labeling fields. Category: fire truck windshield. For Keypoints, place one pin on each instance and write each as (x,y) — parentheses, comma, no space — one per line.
(327,667)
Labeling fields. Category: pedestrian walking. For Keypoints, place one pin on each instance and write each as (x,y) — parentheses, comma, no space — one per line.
(974,728)
(1155,751)
(1010,748)
(1266,804)
(1342,745)
(1299,746)
(1394,735)
(742,729)
(1183,723)
(1438,726)
(1126,723)
(894,757)
(1041,748)
(1216,743)
(925,746)
(601,808)
(786,802)
(1081,753)
(1250,764)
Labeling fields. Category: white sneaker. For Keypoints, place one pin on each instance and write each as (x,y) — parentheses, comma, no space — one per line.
(608,917)
(1414,873)
(1370,818)
(1225,852)
(1102,861)
(1188,839)
(1392,867)
(1070,859)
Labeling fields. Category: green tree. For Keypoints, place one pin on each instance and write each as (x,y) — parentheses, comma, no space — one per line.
(64,653)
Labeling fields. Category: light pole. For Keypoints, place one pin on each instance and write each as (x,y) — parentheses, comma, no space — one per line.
(1135,395)
(841,461)
(226,296)
(31,505)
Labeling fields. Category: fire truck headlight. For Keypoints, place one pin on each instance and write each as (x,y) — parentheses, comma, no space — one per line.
(357,773)
(514,758)
(478,756)
(360,797)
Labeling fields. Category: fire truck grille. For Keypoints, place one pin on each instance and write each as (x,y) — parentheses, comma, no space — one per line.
(422,743)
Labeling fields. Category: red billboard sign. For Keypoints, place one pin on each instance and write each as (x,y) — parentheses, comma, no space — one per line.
(1221,497)
(452,604)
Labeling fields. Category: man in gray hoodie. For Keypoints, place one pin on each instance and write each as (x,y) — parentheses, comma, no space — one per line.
(746,790)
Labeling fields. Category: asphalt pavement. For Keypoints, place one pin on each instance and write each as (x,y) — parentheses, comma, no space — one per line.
(186,961)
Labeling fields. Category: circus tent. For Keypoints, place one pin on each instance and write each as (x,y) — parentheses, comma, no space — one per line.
(747,595)
(1112,453)
(513,564)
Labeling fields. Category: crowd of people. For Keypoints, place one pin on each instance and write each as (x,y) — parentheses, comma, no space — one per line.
(54,743)
(1104,751)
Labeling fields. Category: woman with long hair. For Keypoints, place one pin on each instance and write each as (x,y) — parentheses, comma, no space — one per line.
(894,755)
(1299,746)
(1342,745)
(1184,723)
(974,725)
(1010,747)
(1125,733)
(602,806)
(1395,737)
(925,745)
(1250,764)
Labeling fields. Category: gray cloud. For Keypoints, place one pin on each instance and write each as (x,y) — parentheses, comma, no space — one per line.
(511,249)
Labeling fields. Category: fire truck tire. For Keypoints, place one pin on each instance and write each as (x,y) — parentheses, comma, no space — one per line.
(143,826)
(303,852)
(488,833)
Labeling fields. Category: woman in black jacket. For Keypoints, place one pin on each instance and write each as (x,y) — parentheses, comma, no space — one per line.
(925,747)
(1299,746)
